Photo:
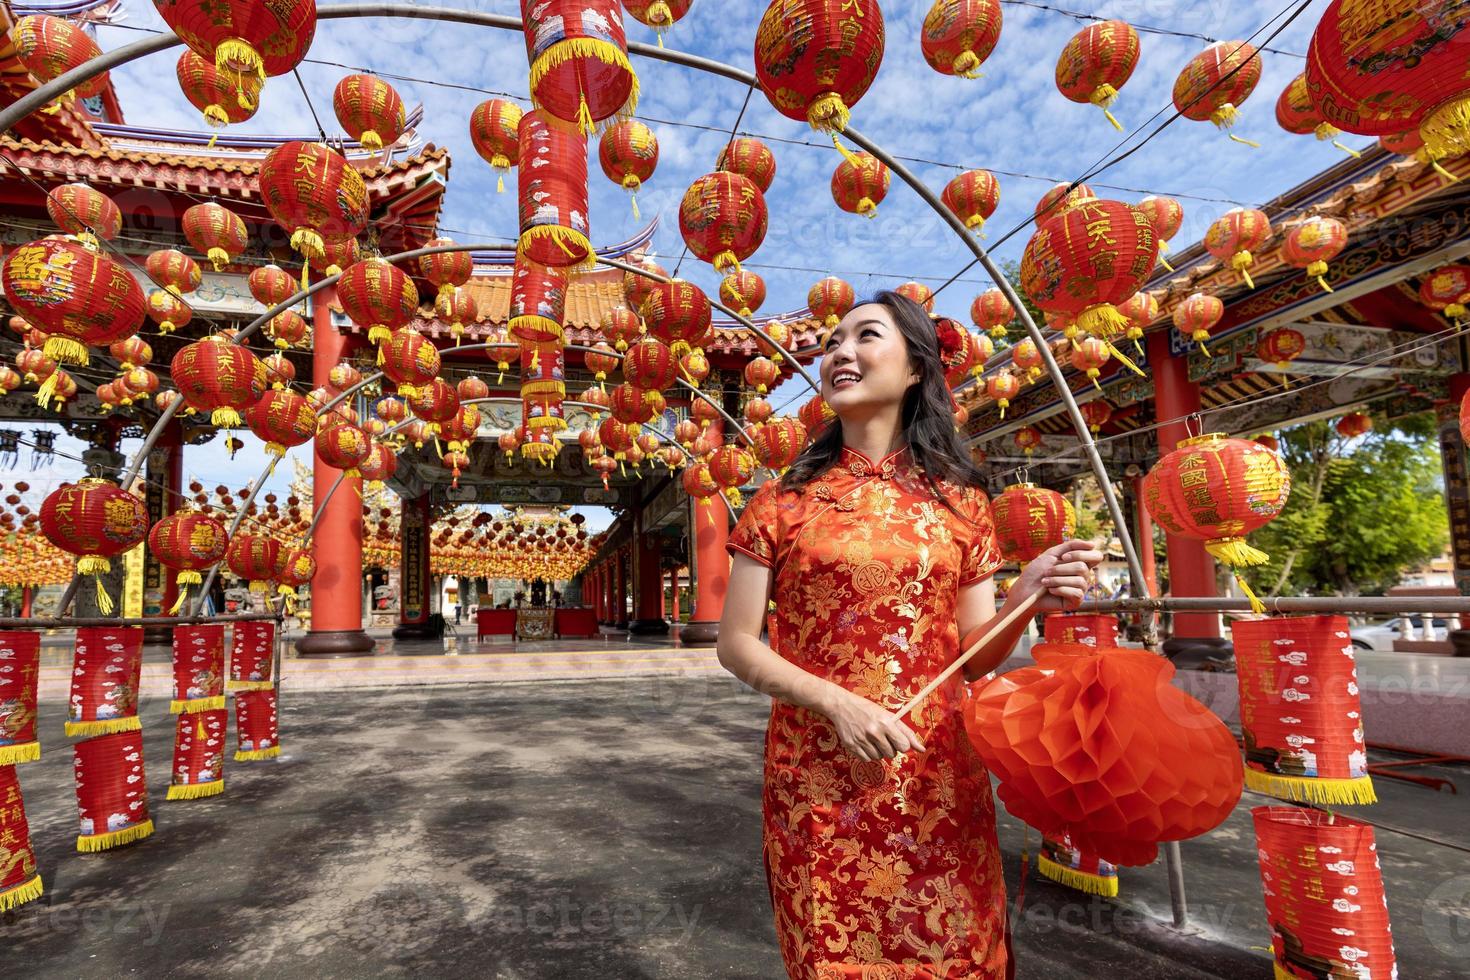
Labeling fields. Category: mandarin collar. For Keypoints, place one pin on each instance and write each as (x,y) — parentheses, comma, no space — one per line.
(859,465)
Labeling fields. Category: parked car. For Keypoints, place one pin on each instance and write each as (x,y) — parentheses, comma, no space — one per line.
(1380,636)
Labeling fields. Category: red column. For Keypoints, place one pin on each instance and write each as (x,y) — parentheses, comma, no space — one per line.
(650,586)
(711,570)
(620,594)
(336,591)
(1143,537)
(673,609)
(27,596)
(1191,569)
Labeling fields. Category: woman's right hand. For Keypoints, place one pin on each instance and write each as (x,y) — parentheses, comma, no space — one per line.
(868,730)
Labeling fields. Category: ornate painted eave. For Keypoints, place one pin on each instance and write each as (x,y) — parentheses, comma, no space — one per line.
(72,123)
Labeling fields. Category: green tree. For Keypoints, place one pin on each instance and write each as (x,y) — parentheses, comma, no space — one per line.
(1361,512)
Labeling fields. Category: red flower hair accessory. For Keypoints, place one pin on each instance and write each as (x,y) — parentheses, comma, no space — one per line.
(951,343)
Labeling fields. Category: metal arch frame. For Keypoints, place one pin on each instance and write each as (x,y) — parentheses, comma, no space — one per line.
(120,56)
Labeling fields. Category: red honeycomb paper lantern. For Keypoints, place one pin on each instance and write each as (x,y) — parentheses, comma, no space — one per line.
(1215,83)
(578,52)
(678,313)
(972,196)
(1281,346)
(778,442)
(173,270)
(1088,356)
(435,403)
(1096,413)
(376,294)
(1235,235)
(253,558)
(1165,214)
(743,291)
(1218,490)
(188,542)
(722,219)
(49,47)
(650,365)
(859,184)
(286,329)
(313,193)
(1096,62)
(1030,519)
(472,389)
(630,404)
(628,153)
(829,300)
(213,93)
(458,309)
(601,361)
(446,271)
(991,311)
(1002,387)
(1447,290)
(1196,315)
(79,209)
(958,35)
(168,311)
(410,360)
(761,373)
(216,231)
(130,352)
(750,158)
(494,128)
(281,419)
(94,519)
(80,298)
(1141,310)
(218,377)
(369,109)
(1312,244)
(815,59)
(271,285)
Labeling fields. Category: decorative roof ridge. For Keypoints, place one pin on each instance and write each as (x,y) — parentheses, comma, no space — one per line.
(427,155)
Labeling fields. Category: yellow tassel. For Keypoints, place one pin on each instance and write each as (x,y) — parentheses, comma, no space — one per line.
(19,895)
(1348,150)
(847,154)
(967,65)
(225,417)
(239,685)
(1443,172)
(1307,789)
(104,727)
(1242,139)
(579,48)
(1446,131)
(1165,262)
(571,242)
(1225,116)
(66,350)
(1236,552)
(11,755)
(1257,606)
(1241,262)
(828,113)
(196,791)
(91,843)
(1323,283)
(192,705)
(257,755)
(1113,119)
(1083,881)
(47,390)
(634,199)
(1124,359)
(219,258)
(370,140)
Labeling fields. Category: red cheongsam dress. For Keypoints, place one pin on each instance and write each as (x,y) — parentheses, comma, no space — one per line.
(887,869)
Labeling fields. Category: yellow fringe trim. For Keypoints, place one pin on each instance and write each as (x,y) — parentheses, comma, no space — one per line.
(571,242)
(966,65)
(1306,789)
(234,685)
(191,705)
(1225,116)
(1236,552)
(104,727)
(586,47)
(257,755)
(218,258)
(1081,880)
(196,791)
(11,755)
(15,897)
(828,113)
(370,140)
(215,115)
(234,56)
(1281,972)
(66,350)
(1446,131)
(91,843)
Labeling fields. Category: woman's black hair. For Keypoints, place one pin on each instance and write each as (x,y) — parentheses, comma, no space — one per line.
(927,415)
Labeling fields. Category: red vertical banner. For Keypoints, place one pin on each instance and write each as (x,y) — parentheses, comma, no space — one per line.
(257,734)
(107,667)
(199,755)
(20,880)
(112,792)
(252,657)
(20,660)
(199,668)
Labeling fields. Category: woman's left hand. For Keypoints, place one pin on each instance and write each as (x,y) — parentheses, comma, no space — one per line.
(1063,573)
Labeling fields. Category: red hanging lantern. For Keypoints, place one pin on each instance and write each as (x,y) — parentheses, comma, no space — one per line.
(462,428)
(1002,387)
(761,373)
(168,311)
(1353,424)
(20,656)
(553,194)
(494,131)
(500,348)
(758,410)
(313,193)
(1312,244)
(1196,315)
(457,309)
(780,335)
(1300,712)
(257,735)
(1027,438)
(650,365)
(1140,310)
(1060,198)
(731,466)
(1084,260)
(1235,235)
(1165,215)
(378,295)
(919,293)
(700,485)
(743,291)
(538,297)
(859,184)
(369,109)
(601,361)
(628,152)
(958,35)
(1296,114)
(286,329)
(112,792)
(281,419)
(1172,770)
(173,270)
(1218,490)
(94,519)
(635,285)
(751,159)
(658,14)
(829,300)
(578,52)
(972,196)
(630,405)
(678,313)
(1030,519)
(218,377)
(723,219)
(410,360)
(79,210)
(244,38)
(377,468)
(337,255)
(77,296)
(279,371)
(435,402)
(253,557)
(1027,357)
(1280,347)
(216,231)
(446,271)
(106,672)
(621,327)
(1447,290)
(1392,68)
(778,442)
(816,415)
(1096,62)
(695,367)
(188,542)
(816,58)
(1088,356)
(49,47)
(213,94)
(1096,413)
(1215,83)
(1325,902)
(991,311)
(472,389)
(271,285)
(199,755)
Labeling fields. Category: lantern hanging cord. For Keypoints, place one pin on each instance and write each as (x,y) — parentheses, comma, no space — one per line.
(749,91)
(314,117)
(1141,28)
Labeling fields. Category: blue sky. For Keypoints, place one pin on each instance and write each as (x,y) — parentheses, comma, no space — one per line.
(1011,120)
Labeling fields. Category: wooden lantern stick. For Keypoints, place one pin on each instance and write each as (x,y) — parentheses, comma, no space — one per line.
(997,627)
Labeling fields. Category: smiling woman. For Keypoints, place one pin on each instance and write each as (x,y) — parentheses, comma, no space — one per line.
(878,547)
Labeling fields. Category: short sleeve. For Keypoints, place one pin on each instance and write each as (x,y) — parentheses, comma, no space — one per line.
(980,550)
(755,532)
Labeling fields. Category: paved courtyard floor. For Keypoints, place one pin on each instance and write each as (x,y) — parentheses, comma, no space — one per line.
(599,828)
